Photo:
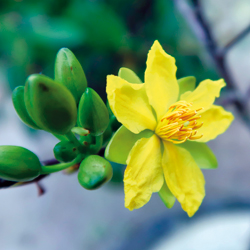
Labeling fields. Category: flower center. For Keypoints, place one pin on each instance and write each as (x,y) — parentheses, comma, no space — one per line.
(179,123)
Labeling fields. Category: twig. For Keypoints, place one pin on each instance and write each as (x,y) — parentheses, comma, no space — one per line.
(7,184)
(237,39)
(194,16)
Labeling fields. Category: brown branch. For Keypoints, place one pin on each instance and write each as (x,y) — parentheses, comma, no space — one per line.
(194,16)
(237,39)
(7,184)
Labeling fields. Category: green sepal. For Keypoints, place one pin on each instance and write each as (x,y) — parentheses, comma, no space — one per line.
(129,75)
(94,171)
(69,72)
(50,104)
(18,164)
(19,105)
(186,84)
(166,196)
(65,151)
(122,142)
(202,154)
(92,113)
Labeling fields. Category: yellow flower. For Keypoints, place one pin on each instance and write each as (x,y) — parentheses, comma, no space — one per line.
(163,136)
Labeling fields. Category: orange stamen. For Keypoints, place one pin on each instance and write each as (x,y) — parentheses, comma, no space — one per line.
(180,123)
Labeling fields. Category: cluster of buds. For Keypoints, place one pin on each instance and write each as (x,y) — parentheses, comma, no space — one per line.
(71,111)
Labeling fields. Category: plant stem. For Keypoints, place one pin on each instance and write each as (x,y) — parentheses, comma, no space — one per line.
(73,139)
(8,184)
(61,166)
(98,144)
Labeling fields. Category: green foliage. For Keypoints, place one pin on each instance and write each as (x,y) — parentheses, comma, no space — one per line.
(65,151)
(94,171)
(18,164)
(69,72)
(104,28)
(50,104)
(32,32)
(92,113)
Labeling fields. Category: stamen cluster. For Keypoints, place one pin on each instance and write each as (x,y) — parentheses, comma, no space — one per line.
(179,123)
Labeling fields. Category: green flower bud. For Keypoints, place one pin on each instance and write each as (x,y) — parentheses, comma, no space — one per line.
(94,171)
(50,104)
(92,113)
(65,151)
(18,164)
(69,72)
(19,105)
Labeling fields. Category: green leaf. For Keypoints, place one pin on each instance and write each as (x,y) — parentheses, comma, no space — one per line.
(186,84)
(69,72)
(92,113)
(19,105)
(202,154)
(166,196)
(18,164)
(122,142)
(94,171)
(50,104)
(129,75)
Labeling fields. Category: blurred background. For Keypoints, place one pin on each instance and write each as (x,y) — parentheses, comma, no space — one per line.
(106,35)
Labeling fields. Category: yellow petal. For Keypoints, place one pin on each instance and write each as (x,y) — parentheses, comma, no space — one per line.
(129,104)
(143,175)
(215,122)
(160,80)
(204,95)
(184,178)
